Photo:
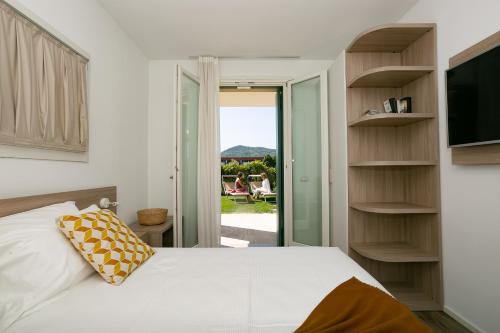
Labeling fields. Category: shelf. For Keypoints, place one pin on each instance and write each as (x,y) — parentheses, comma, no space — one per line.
(415,299)
(390,163)
(392,208)
(389,76)
(389,38)
(390,119)
(394,157)
(393,252)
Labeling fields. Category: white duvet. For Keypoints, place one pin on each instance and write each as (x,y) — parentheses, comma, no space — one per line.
(202,290)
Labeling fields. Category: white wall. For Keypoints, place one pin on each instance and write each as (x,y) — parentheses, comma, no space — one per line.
(338,152)
(162,105)
(470,194)
(118,90)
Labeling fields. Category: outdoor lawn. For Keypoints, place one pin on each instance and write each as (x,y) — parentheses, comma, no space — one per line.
(228,206)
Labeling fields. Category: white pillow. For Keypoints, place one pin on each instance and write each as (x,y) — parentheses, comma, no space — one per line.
(36,260)
(90,209)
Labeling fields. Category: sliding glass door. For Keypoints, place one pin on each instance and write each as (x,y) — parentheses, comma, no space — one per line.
(186,219)
(308,166)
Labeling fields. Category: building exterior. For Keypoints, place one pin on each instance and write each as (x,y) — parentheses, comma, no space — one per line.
(240,159)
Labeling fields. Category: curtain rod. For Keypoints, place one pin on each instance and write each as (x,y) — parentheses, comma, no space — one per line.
(250,58)
(25,16)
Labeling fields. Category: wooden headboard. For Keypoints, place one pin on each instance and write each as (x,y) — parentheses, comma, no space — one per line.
(83,199)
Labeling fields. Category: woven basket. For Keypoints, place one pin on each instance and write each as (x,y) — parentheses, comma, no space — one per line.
(152,216)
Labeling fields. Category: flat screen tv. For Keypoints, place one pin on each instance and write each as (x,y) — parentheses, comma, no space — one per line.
(473,96)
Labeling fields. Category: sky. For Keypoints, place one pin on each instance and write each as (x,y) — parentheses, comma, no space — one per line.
(247,126)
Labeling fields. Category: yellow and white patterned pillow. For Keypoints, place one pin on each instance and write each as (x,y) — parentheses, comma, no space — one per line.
(106,243)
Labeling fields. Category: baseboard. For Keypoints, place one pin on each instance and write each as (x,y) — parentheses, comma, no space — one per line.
(453,314)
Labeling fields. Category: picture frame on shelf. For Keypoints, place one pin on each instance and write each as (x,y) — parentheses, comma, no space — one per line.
(404,105)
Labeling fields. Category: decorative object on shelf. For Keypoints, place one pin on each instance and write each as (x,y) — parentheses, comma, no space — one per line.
(152,216)
(372,112)
(404,105)
(391,105)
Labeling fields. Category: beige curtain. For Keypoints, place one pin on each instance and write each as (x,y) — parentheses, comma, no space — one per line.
(208,154)
(43,87)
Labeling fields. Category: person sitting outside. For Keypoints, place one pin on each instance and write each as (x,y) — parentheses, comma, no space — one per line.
(239,187)
(265,187)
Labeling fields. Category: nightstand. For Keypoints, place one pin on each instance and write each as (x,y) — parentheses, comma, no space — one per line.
(155,235)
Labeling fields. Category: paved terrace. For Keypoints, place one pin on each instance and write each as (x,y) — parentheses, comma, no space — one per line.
(248,230)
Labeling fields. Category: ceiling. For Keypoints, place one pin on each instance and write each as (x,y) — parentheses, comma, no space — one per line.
(312,29)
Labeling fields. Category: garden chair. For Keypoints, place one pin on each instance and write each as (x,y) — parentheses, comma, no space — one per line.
(255,184)
(230,191)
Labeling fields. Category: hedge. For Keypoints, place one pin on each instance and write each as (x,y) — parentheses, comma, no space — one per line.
(251,168)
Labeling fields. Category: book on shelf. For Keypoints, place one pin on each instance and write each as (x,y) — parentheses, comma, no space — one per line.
(401,105)
(391,105)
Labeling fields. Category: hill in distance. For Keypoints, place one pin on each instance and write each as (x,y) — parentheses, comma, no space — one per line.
(245,151)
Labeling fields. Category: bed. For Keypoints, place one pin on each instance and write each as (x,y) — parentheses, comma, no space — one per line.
(191,290)
(202,290)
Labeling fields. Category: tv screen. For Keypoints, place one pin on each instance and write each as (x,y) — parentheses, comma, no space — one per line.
(473,93)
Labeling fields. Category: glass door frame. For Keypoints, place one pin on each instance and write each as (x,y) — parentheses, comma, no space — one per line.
(280,86)
(177,178)
(325,163)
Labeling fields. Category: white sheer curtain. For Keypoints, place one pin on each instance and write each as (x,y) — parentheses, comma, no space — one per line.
(208,154)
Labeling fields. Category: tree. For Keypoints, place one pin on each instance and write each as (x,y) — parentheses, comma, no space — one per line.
(269,161)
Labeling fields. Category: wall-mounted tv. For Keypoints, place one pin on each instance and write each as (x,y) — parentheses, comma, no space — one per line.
(473,96)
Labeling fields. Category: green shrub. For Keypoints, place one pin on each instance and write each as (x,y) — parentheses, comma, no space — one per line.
(232,168)
(251,168)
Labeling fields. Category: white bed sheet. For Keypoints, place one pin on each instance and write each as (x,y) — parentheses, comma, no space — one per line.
(202,290)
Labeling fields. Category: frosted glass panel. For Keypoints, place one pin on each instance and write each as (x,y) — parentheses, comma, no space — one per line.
(189,149)
(306,162)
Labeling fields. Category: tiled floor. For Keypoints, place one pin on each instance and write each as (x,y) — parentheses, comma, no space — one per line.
(248,230)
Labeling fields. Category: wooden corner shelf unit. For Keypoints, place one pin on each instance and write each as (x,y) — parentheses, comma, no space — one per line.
(393,252)
(389,76)
(394,205)
(390,163)
(392,208)
(390,119)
